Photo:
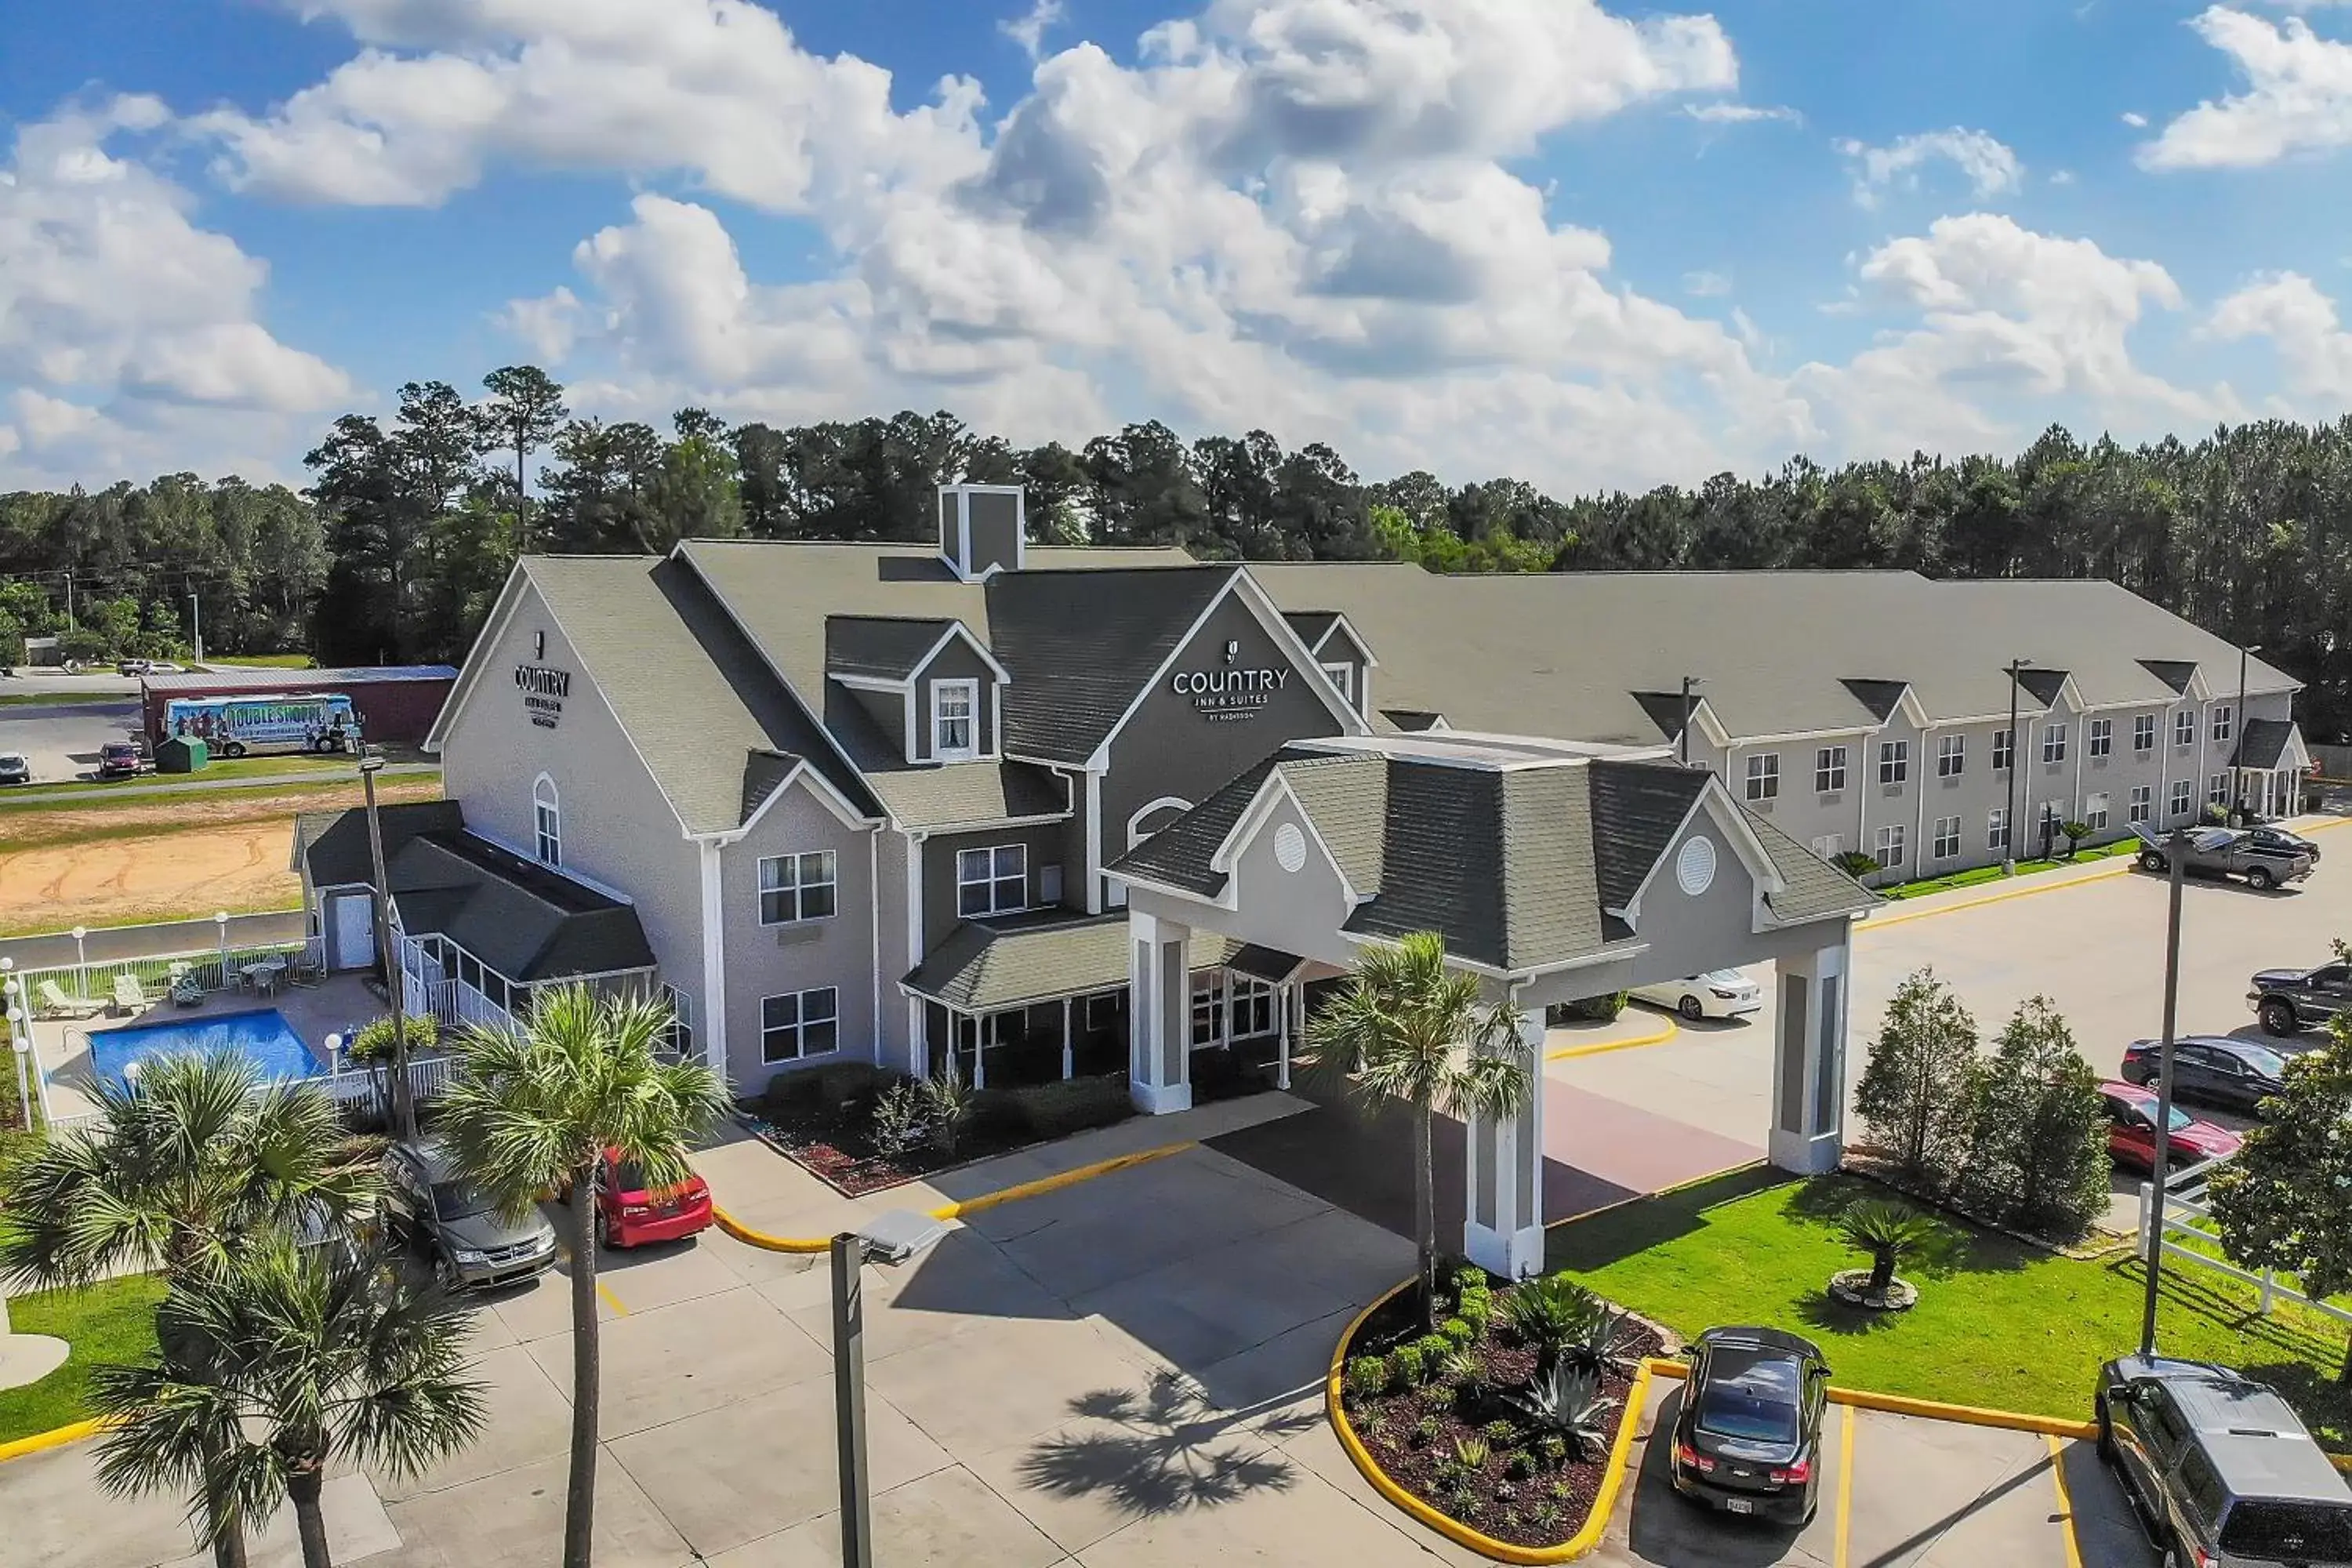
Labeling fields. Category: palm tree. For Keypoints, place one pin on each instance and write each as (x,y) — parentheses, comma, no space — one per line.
(533,1110)
(298,1358)
(1406,1028)
(181,1173)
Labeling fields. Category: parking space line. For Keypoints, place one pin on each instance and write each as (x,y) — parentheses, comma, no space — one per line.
(2066,1499)
(1845,1488)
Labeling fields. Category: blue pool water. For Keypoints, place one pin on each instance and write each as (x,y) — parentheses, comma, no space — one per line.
(261,1036)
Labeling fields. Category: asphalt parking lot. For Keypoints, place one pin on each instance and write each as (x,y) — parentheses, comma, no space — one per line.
(61,740)
(1897,1491)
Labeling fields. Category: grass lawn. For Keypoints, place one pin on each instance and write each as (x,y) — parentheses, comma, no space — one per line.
(112,1322)
(1981,873)
(1998,1324)
(263,660)
(64,699)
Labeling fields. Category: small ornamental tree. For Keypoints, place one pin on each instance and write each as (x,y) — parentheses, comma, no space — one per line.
(1917,1094)
(2075,833)
(2038,1158)
(2285,1202)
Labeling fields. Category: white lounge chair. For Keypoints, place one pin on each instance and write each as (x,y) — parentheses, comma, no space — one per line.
(130,996)
(54,1001)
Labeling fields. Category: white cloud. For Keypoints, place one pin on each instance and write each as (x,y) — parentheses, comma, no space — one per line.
(1988,166)
(1741,114)
(1706,284)
(2297,96)
(2007,321)
(1028,29)
(2133,118)
(127,335)
(2303,329)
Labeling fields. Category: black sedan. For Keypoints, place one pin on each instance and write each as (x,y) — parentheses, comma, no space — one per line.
(1748,1441)
(2210,1069)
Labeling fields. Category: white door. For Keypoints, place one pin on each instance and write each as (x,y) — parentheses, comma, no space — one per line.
(350,930)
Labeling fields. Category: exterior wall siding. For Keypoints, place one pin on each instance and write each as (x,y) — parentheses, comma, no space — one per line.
(1042,841)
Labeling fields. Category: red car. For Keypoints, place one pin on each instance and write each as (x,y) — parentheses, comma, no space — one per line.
(118,760)
(2131,1131)
(629,1214)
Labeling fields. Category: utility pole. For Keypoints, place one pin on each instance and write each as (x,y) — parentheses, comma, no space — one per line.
(196,620)
(1691,683)
(69,603)
(2008,820)
(2237,729)
(2179,861)
(402,1109)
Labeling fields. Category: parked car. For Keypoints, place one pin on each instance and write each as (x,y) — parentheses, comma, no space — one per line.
(118,759)
(456,1226)
(2131,1131)
(163,667)
(1718,994)
(2222,852)
(2270,839)
(629,1212)
(131,666)
(2210,1069)
(14,769)
(2290,1000)
(2218,1469)
(1748,1438)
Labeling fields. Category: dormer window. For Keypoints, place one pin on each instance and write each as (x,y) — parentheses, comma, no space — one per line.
(955,720)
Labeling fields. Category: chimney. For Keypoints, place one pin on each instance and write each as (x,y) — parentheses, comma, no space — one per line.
(983,530)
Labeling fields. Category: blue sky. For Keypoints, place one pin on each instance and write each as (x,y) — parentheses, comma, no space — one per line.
(1593,246)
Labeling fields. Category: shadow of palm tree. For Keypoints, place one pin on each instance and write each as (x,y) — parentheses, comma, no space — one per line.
(1162,1449)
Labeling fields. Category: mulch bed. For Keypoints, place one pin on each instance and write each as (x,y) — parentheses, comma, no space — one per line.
(1545,1507)
(849,1164)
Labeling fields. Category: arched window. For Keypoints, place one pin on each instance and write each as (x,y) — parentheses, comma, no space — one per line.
(547,817)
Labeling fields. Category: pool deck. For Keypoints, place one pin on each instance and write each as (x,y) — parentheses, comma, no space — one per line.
(61,1046)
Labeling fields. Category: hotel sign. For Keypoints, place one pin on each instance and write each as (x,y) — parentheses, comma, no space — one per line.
(543,688)
(1230,694)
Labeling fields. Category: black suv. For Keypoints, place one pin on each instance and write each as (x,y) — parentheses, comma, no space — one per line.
(2288,1000)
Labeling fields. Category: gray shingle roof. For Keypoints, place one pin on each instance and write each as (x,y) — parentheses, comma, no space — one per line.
(1881,697)
(1081,645)
(1640,806)
(523,920)
(888,646)
(1179,854)
(1565,654)
(334,844)
(985,966)
(1812,887)
(2263,745)
(970,793)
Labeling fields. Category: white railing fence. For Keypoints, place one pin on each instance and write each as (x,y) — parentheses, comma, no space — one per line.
(212,968)
(352,1087)
(2186,1203)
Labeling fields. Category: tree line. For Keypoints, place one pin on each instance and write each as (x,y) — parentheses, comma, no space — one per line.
(410,522)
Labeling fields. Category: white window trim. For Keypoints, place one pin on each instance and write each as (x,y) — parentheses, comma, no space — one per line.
(1951,756)
(2053,744)
(2154,729)
(940,751)
(2184,728)
(1935,846)
(1997,833)
(1893,763)
(2099,739)
(1891,836)
(799,1030)
(545,796)
(796,889)
(1764,775)
(1342,676)
(2182,801)
(2225,723)
(990,882)
(2097,808)
(1829,770)
(2005,750)
(2141,804)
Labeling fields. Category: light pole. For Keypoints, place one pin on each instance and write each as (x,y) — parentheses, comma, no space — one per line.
(196,620)
(1691,683)
(2238,729)
(2177,861)
(403,1109)
(2009,818)
(893,1238)
(220,922)
(81,963)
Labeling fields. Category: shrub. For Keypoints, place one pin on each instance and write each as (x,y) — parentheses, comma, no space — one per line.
(1502,1433)
(372,1041)
(1857,865)
(1367,1375)
(1472,1453)
(1518,1468)
(1426,1430)
(995,1116)
(2039,1157)
(1058,1109)
(1404,1366)
(948,1099)
(1220,1075)
(1468,1277)
(1549,1312)
(1554,1450)
(1462,1369)
(1567,1403)
(1458,1331)
(1600,1009)
(1476,1309)
(1599,1343)
(1918,1093)
(1886,1231)
(2075,833)
(901,1119)
(1434,1349)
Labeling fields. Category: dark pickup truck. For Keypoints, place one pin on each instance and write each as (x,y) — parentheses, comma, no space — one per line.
(2290,1000)
(2224,852)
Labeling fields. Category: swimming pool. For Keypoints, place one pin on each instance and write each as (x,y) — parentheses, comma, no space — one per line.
(260,1036)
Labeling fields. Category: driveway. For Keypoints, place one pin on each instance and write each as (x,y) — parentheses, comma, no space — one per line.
(1123,1373)
(1897,1491)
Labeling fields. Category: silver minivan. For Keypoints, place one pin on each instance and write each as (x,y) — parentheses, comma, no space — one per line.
(2220,1469)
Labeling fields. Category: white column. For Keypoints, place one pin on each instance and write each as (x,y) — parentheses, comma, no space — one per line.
(1808,1134)
(979,1050)
(1502,1230)
(1160,1015)
(1224,994)
(1283,997)
(1066,1062)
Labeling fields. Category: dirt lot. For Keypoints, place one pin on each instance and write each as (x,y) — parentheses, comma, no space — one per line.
(159,856)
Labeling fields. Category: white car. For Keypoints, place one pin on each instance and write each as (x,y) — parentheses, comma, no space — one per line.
(1718,994)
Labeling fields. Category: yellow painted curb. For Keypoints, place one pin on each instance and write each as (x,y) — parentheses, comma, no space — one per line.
(2065,1500)
(2122,864)
(1604,1047)
(1604,1501)
(1014,1193)
(40,1442)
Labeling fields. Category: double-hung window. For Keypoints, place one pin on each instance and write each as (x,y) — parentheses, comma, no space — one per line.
(2102,737)
(2184,728)
(1829,769)
(2224,722)
(1997,828)
(2143,733)
(678,1038)
(994,882)
(1764,777)
(2217,789)
(547,821)
(2141,795)
(1952,757)
(801,887)
(955,720)
(2095,812)
(800,1024)
(1948,837)
(1890,847)
(2183,796)
(2004,750)
(1342,676)
(2053,742)
(1894,762)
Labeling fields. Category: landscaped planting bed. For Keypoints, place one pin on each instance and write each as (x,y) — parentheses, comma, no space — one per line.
(1503,1419)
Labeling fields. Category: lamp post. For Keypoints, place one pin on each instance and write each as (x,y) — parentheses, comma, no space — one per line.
(81,961)
(1691,683)
(2161,1172)
(197,619)
(2238,729)
(403,1109)
(893,1238)
(2009,818)
(220,925)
